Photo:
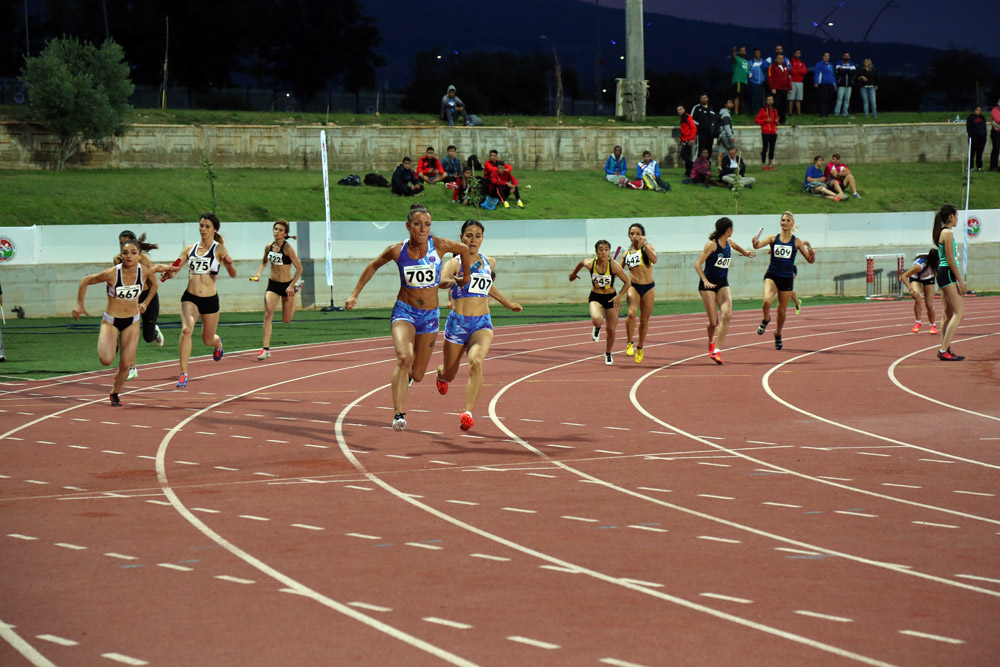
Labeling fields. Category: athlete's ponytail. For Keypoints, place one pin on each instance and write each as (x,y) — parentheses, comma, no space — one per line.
(940,218)
(721,225)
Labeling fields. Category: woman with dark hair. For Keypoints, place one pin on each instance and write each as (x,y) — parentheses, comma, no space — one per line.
(469,327)
(282,285)
(604,301)
(150,315)
(780,277)
(712,267)
(415,317)
(201,297)
(920,279)
(639,260)
(119,324)
(949,279)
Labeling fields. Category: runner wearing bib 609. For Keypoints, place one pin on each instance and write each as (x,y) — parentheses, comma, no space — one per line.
(780,277)
(712,268)
(415,317)
(469,327)
(604,302)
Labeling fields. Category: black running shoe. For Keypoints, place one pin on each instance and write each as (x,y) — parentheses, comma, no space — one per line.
(948,355)
(115,401)
(777,342)
(762,327)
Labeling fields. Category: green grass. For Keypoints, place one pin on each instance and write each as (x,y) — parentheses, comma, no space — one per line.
(53,346)
(136,196)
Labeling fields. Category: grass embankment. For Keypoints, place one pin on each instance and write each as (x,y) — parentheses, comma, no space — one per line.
(132,197)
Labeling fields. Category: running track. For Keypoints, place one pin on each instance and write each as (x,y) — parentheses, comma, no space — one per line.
(832,503)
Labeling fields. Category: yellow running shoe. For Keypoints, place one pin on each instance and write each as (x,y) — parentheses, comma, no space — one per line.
(629,350)
(638,355)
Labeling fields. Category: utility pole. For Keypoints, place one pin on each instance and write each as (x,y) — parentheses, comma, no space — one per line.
(789,23)
(635,84)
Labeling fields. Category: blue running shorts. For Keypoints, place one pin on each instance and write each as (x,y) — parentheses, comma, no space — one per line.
(424,321)
(458,328)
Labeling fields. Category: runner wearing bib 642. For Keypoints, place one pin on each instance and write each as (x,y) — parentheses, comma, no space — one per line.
(281,285)
(415,317)
(469,327)
(641,297)
(780,277)
(604,301)
(712,267)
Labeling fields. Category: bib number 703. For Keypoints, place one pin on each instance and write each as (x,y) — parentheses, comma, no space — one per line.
(420,276)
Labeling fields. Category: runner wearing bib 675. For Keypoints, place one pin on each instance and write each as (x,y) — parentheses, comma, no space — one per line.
(604,302)
(415,317)
(780,277)
(712,268)
(469,327)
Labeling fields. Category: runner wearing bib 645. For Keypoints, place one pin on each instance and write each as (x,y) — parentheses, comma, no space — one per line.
(469,327)
(120,322)
(415,317)
(639,260)
(604,302)
(712,268)
(780,277)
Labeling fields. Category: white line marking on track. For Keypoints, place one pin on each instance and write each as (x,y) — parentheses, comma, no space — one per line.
(652,529)
(79,447)
(441,463)
(607,451)
(461,502)
(725,598)
(853,513)
(253,518)
(306,526)
(539,474)
(235,580)
(62,641)
(580,518)
(359,488)
(927,635)
(533,642)
(316,446)
(572,424)
(935,461)
(369,607)
(186,463)
(19,536)
(798,551)
(617,428)
(902,486)
(241,437)
(489,557)
(760,442)
(397,456)
(35,481)
(421,545)
(447,623)
(560,568)
(873,454)
(158,502)
(773,504)
(74,547)
(112,554)
(654,490)
(615,662)
(363,536)
(976,493)
(836,479)
(934,525)
(265,474)
(179,568)
(708,495)
(124,659)
(640,582)
(719,539)
(515,509)
(976,578)
(825,617)
(204,510)
(560,446)
(225,468)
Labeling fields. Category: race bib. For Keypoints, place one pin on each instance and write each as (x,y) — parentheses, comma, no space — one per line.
(128,292)
(783,251)
(602,281)
(199,265)
(274,257)
(420,276)
(633,260)
(722,262)
(480,284)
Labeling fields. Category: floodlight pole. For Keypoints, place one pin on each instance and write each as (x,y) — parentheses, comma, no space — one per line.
(634,93)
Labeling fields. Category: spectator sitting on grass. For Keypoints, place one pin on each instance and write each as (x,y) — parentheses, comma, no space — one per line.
(817,184)
(504,185)
(429,168)
(837,171)
(452,165)
(701,171)
(490,165)
(452,107)
(469,188)
(732,168)
(648,172)
(404,181)
(615,167)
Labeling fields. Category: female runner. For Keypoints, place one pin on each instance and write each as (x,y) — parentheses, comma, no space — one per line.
(714,283)
(604,301)
(150,329)
(921,277)
(120,322)
(281,285)
(949,279)
(469,327)
(201,297)
(780,277)
(415,317)
(639,260)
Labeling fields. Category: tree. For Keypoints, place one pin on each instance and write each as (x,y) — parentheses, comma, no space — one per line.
(960,74)
(79,92)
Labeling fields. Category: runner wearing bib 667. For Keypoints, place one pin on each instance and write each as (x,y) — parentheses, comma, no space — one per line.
(415,317)
(780,277)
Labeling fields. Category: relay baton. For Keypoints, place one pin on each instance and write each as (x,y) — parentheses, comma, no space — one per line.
(253,279)
(616,253)
(3,315)
(177,262)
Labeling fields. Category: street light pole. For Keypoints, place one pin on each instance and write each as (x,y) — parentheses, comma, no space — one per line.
(634,93)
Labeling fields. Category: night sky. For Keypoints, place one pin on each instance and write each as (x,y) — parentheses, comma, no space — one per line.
(936,23)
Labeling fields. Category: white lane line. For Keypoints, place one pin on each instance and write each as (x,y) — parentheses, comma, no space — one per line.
(306,526)
(580,518)
(205,510)
(540,474)
(607,451)
(559,568)
(761,442)
(935,461)
(321,447)
(934,525)
(111,451)
(902,486)
(397,456)
(124,659)
(654,490)
(280,442)
(30,653)
(369,607)
(423,546)
(140,426)
(532,420)
(179,568)
(852,513)
(976,493)
(710,437)
(560,446)
(461,502)
(225,468)
(825,617)
(836,479)
(489,557)
(363,536)
(447,623)
(235,580)
(78,447)
(873,454)
(798,551)
(927,635)
(253,518)
(725,598)
(708,495)
(617,428)
(241,437)
(112,554)
(718,539)
(145,456)
(652,529)
(976,578)
(717,465)
(572,424)
(19,536)
(768,502)
(265,474)
(62,641)
(203,433)
(359,488)
(34,481)
(615,662)
(186,463)
(533,642)
(640,582)
(73,547)
(515,509)
(441,463)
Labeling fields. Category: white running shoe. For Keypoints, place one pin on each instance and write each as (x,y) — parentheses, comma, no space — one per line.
(608,361)
(399,421)
(132,373)
(596,335)
(159,336)
(264,354)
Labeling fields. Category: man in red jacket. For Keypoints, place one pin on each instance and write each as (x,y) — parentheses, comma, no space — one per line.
(429,168)
(689,132)
(503,185)
(767,118)
(779,77)
(798,73)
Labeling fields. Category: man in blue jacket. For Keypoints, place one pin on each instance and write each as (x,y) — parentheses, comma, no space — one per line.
(825,81)
(758,77)
(615,166)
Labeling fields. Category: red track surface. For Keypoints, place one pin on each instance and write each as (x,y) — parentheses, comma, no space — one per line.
(834,502)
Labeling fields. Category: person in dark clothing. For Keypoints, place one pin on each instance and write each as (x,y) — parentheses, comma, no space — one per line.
(975,127)
(689,132)
(708,124)
(995,137)
(404,181)
(824,81)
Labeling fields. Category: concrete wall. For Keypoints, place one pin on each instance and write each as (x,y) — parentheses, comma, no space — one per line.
(368,148)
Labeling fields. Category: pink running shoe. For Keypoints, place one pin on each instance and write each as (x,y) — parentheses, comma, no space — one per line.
(916,328)
(467,422)
(933,329)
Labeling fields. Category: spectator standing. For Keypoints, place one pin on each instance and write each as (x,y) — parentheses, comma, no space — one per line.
(648,171)
(975,127)
(708,124)
(757,79)
(404,181)
(780,78)
(429,168)
(615,167)
(824,81)
(841,173)
(689,132)
(797,73)
(503,185)
(867,85)
(733,170)
(453,107)
(846,72)
(726,137)
(741,74)
(767,118)
(452,165)
(995,137)
(3,355)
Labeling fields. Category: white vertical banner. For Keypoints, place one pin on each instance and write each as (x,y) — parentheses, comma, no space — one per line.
(326,197)
(965,213)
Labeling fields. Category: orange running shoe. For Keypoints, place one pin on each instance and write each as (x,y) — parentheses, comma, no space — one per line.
(933,329)
(916,328)
(716,357)
(442,386)
(467,422)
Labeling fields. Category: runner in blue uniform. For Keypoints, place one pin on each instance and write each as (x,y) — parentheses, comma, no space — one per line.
(604,301)
(469,327)
(120,322)
(920,280)
(780,277)
(282,285)
(415,317)
(712,268)
(639,260)
(949,279)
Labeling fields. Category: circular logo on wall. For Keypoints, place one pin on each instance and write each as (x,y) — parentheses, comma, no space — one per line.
(7,249)
(973,227)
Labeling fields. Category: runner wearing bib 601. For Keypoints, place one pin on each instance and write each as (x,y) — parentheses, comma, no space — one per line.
(712,267)
(780,277)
